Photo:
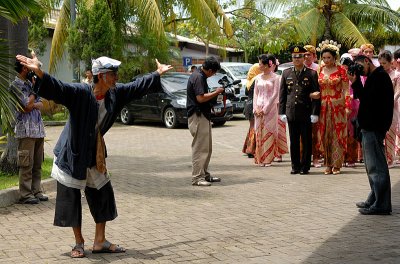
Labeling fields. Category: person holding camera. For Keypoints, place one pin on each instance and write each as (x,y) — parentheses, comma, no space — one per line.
(80,152)
(270,130)
(375,118)
(199,114)
(29,131)
(298,109)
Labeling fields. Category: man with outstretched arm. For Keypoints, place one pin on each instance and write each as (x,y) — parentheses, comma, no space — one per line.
(79,162)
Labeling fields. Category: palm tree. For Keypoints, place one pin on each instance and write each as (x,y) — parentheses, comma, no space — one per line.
(346,21)
(150,13)
(13,40)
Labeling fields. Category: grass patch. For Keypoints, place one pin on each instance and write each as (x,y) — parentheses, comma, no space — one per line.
(60,116)
(9,180)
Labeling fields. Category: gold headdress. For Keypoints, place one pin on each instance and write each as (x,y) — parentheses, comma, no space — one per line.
(329,45)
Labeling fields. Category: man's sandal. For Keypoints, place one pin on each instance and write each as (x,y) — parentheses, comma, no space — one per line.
(78,251)
(106,248)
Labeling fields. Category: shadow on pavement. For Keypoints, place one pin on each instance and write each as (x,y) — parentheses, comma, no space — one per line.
(377,235)
(149,254)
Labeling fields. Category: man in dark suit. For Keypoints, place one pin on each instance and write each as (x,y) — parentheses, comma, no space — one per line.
(296,107)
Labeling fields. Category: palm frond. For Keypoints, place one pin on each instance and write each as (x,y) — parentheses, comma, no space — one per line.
(310,26)
(15,10)
(226,23)
(202,12)
(60,36)
(367,14)
(275,6)
(7,99)
(346,32)
(149,13)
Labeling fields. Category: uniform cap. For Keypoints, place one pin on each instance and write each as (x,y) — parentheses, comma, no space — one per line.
(297,51)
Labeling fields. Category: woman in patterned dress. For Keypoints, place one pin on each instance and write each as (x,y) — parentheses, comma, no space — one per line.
(332,134)
(270,131)
(249,146)
(385,59)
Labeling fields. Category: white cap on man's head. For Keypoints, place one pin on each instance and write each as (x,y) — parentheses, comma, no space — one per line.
(104,64)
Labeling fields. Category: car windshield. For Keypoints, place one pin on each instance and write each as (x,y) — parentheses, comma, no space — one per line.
(240,71)
(174,83)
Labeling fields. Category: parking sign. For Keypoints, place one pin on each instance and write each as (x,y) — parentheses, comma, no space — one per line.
(187,61)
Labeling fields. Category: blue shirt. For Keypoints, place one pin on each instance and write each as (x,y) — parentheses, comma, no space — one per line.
(28,124)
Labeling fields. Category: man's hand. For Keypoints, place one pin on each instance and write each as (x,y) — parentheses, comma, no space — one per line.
(315,95)
(219,90)
(162,68)
(33,64)
(352,77)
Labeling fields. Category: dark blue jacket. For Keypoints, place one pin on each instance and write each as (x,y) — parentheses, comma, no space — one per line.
(76,147)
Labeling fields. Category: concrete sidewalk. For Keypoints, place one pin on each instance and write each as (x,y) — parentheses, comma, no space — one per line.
(255,215)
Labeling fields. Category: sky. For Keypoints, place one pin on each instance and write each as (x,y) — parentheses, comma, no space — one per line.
(394,4)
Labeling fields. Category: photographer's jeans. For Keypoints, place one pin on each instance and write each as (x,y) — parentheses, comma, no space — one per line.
(200,129)
(377,170)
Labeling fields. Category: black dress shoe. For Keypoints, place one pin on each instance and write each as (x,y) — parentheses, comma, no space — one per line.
(294,171)
(42,197)
(212,179)
(30,200)
(372,211)
(362,205)
(302,172)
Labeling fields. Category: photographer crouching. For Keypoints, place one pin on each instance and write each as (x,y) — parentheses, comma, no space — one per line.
(374,118)
(199,113)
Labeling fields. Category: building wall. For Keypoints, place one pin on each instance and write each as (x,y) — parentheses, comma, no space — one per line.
(64,68)
(197,53)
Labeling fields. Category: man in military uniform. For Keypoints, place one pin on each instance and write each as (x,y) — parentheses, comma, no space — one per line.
(296,107)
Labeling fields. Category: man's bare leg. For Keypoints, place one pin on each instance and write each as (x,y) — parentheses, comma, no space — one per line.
(77,251)
(100,238)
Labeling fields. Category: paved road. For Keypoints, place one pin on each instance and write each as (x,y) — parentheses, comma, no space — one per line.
(256,215)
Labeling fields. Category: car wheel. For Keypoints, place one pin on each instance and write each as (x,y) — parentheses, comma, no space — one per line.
(126,116)
(219,123)
(169,118)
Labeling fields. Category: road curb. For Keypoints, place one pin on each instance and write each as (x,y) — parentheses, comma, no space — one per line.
(11,195)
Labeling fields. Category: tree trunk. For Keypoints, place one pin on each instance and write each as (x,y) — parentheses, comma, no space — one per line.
(17,36)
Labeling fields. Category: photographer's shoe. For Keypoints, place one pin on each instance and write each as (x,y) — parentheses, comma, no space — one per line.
(212,179)
(42,197)
(201,183)
(363,205)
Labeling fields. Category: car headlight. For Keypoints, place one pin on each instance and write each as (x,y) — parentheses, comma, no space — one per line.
(181,102)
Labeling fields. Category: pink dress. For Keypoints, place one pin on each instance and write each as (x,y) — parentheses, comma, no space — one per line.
(394,131)
(270,131)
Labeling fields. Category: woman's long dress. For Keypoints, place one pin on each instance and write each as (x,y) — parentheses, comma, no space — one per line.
(393,133)
(270,132)
(352,105)
(333,121)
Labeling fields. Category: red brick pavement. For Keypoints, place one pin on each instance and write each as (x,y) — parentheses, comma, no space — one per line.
(255,215)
